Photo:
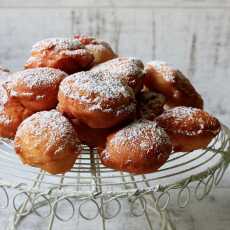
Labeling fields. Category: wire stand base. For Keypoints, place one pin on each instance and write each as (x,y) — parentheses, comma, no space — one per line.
(92,191)
(156,214)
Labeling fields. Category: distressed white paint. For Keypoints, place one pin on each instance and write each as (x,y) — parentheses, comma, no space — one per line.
(197,41)
(193,35)
(19,29)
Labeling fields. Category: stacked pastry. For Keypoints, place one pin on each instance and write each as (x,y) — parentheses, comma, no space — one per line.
(77,91)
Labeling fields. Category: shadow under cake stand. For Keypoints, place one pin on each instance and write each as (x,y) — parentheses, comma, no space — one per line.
(91,190)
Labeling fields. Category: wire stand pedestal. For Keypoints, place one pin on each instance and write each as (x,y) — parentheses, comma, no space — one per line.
(91,183)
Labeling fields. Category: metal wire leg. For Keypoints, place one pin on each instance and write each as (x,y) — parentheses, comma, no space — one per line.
(204,168)
(22,211)
(51,222)
(163,215)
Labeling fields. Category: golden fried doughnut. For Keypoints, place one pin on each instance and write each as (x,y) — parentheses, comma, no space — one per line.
(12,113)
(37,88)
(188,128)
(129,70)
(47,140)
(162,78)
(141,147)
(149,105)
(101,50)
(66,54)
(93,137)
(96,99)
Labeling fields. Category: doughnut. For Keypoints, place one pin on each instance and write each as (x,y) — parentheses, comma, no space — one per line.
(47,140)
(96,99)
(162,78)
(149,105)
(141,147)
(65,54)
(37,88)
(188,128)
(93,137)
(101,50)
(12,113)
(129,70)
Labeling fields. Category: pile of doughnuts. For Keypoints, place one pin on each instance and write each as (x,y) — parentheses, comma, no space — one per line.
(78,91)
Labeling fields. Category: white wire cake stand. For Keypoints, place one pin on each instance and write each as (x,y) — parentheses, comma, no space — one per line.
(91,183)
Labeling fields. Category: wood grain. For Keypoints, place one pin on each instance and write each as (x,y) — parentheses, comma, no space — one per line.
(196,41)
(20,29)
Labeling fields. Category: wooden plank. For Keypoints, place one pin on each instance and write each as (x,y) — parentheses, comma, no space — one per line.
(128,32)
(195,41)
(20,29)
(114,3)
(198,43)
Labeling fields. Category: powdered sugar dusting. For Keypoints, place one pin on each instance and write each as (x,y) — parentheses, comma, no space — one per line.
(179,113)
(73,53)
(58,44)
(4,101)
(4,119)
(38,77)
(122,67)
(188,121)
(87,40)
(51,125)
(3,96)
(97,88)
(145,133)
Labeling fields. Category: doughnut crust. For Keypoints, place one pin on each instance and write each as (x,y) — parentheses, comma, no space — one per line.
(188,128)
(65,54)
(96,99)
(150,105)
(129,70)
(47,140)
(37,89)
(162,78)
(12,113)
(141,147)
(93,137)
(101,50)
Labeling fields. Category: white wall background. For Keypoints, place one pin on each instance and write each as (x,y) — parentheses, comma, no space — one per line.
(194,35)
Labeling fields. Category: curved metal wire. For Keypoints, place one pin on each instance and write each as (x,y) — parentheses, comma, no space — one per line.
(83,167)
(89,182)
